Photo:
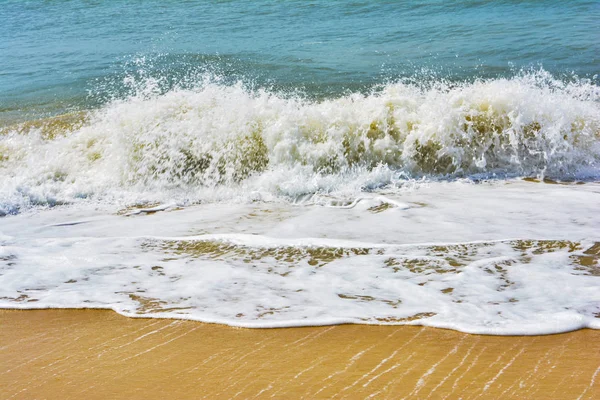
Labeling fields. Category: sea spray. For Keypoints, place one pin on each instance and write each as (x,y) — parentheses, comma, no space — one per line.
(152,146)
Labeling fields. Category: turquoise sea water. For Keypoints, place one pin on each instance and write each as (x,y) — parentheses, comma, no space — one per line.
(63,55)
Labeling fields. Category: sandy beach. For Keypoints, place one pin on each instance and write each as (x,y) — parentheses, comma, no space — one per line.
(64,354)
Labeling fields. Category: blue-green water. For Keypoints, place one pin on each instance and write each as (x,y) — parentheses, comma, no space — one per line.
(63,55)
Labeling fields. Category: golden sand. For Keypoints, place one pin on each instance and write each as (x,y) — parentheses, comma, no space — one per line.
(87,354)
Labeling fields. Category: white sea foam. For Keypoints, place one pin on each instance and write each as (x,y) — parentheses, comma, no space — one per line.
(257,209)
(510,257)
(220,142)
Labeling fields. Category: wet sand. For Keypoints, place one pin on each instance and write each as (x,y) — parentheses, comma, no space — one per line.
(91,354)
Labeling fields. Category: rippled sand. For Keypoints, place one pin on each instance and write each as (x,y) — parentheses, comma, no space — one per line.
(98,354)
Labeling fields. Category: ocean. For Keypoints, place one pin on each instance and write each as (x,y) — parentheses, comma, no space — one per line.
(299,163)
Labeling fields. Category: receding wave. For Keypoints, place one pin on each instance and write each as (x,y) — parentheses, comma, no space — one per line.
(179,144)
(505,287)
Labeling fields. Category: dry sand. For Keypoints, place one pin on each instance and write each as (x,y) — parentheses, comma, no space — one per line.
(87,354)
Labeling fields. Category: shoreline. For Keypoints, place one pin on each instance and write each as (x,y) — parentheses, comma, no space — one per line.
(295,324)
(66,353)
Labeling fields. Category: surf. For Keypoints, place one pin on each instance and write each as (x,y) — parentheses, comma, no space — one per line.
(153,146)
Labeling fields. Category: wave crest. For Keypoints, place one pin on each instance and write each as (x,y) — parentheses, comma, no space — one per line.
(220,135)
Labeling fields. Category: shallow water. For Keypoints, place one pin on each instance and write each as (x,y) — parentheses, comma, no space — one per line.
(522,260)
(291,163)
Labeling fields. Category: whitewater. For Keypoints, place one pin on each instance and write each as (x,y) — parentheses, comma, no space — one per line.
(218,141)
(467,205)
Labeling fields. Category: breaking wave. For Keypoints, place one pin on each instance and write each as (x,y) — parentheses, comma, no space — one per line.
(218,141)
